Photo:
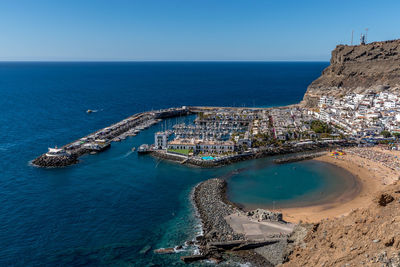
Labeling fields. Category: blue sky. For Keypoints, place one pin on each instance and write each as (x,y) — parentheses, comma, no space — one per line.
(189,29)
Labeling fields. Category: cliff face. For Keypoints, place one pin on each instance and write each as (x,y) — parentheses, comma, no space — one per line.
(356,69)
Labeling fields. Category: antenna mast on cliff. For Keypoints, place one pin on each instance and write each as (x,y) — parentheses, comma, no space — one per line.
(366,34)
(352,33)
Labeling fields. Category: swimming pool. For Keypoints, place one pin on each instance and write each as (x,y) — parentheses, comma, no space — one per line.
(207,158)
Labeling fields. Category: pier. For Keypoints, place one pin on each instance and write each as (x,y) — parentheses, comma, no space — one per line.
(101,140)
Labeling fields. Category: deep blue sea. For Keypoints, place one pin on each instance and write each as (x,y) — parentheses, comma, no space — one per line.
(105,210)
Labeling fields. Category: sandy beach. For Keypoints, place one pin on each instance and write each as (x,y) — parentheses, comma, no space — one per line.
(371,177)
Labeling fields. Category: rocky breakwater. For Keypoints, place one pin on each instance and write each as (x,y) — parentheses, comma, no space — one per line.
(209,198)
(305,156)
(219,241)
(58,161)
(101,139)
(358,69)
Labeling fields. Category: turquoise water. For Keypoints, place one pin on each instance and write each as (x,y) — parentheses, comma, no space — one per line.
(106,209)
(207,158)
(305,183)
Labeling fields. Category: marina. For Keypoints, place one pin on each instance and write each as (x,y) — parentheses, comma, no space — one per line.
(102,139)
(217,136)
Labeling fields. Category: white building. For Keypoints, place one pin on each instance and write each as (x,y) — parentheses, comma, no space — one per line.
(56,152)
(160,140)
(197,146)
(389,104)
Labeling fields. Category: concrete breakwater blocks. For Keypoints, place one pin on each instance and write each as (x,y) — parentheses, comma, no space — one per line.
(45,161)
(227,228)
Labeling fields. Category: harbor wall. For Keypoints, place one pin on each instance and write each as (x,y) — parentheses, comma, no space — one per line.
(284,150)
(107,134)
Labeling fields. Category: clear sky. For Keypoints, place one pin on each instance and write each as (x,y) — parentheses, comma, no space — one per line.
(189,29)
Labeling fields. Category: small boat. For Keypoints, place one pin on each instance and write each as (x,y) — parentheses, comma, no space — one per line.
(143,149)
(133,149)
(89,111)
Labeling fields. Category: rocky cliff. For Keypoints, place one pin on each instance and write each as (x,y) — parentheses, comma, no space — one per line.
(356,69)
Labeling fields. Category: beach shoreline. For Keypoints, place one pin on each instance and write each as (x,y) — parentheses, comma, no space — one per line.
(216,212)
(360,196)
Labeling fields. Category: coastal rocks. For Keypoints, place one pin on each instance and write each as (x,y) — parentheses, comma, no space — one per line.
(59,161)
(265,215)
(145,249)
(164,250)
(275,253)
(356,69)
(192,258)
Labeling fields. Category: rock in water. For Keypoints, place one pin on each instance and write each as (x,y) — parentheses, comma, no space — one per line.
(145,250)
(164,250)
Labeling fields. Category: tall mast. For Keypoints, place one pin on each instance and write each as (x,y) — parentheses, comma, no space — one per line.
(352,33)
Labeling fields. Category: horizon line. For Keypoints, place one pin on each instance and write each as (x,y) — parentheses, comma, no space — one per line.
(150,61)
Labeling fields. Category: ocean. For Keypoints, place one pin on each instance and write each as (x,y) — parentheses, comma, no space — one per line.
(114,208)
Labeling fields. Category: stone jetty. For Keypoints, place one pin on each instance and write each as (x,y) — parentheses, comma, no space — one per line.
(303,156)
(101,140)
(220,241)
(209,198)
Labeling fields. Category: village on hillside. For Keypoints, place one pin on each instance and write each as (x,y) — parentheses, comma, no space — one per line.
(368,118)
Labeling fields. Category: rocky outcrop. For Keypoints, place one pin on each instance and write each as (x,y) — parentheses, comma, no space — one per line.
(357,69)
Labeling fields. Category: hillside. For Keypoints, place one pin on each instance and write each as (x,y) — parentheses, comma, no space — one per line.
(366,237)
(359,68)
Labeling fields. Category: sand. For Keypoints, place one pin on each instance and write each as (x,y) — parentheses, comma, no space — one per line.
(371,178)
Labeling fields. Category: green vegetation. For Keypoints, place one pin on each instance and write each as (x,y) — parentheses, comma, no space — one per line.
(320,127)
(386,134)
(261,140)
(397,135)
(325,135)
(180,151)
